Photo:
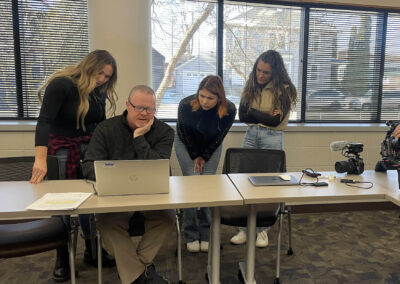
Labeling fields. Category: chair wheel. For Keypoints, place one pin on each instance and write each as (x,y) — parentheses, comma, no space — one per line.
(240,276)
(290,251)
(276,281)
(181,282)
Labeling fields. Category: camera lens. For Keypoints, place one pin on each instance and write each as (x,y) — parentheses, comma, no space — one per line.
(344,166)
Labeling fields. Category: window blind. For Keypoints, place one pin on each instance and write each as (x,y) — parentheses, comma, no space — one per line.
(51,35)
(8,98)
(391,80)
(343,65)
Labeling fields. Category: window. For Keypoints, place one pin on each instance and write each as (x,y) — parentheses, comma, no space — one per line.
(46,36)
(253,35)
(8,99)
(343,65)
(339,82)
(391,79)
(184,44)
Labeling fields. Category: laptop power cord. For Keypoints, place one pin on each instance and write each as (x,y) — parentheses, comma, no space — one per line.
(311,173)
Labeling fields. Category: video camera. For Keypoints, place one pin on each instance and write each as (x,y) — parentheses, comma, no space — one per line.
(354,164)
(390,150)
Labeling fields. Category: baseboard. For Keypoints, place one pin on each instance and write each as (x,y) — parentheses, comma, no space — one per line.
(362,206)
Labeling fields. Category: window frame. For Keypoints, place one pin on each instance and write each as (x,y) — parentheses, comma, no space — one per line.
(381,40)
(305,33)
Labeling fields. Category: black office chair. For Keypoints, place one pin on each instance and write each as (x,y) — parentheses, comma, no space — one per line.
(26,237)
(244,160)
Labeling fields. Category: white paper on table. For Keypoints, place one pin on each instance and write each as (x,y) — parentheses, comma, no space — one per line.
(60,201)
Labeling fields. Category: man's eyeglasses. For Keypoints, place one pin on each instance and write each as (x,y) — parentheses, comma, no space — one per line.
(149,110)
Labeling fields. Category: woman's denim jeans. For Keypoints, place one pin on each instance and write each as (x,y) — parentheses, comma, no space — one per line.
(196,223)
(62,154)
(262,138)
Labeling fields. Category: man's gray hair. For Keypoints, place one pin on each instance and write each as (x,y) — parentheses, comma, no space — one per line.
(141,88)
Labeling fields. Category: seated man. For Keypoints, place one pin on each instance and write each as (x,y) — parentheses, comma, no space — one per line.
(136,134)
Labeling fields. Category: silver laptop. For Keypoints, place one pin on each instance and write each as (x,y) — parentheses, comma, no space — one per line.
(126,177)
(272,180)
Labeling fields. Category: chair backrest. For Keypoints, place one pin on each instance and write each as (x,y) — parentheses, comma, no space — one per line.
(246,160)
(20,168)
(25,237)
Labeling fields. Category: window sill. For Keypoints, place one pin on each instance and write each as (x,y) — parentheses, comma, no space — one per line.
(17,125)
(30,126)
(318,127)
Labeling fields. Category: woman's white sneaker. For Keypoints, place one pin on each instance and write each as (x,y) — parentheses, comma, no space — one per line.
(193,246)
(239,238)
(262,239)
(204,246)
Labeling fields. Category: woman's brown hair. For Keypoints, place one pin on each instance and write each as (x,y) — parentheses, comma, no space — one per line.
(215,86)
(284,98)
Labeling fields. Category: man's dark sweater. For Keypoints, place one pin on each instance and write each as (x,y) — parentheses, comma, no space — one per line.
(113,140)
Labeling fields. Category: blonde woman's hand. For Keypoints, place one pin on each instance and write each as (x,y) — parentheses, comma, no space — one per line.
(39,170)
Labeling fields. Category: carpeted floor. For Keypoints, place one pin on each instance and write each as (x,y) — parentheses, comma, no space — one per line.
(345,247)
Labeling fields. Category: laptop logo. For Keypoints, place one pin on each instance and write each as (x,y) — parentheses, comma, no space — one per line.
(109,164)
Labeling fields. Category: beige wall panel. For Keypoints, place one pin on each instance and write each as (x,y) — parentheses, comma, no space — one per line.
(123,28)
(303,149)
(308,139)
(307,157)
(16,153)
(12,141)
(28,140)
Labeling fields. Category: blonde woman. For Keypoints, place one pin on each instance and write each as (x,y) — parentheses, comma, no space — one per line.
(72,105)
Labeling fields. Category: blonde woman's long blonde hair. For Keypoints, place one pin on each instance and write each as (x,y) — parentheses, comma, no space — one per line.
(83,75)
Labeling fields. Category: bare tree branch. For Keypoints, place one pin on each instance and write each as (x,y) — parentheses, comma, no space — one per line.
(231,64)
(182,47)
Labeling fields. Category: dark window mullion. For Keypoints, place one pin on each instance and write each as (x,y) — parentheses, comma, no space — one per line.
(17,58)
(305,57)
(220,38)
(381,47)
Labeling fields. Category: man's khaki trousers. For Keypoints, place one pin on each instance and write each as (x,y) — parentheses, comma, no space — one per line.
(131,260)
